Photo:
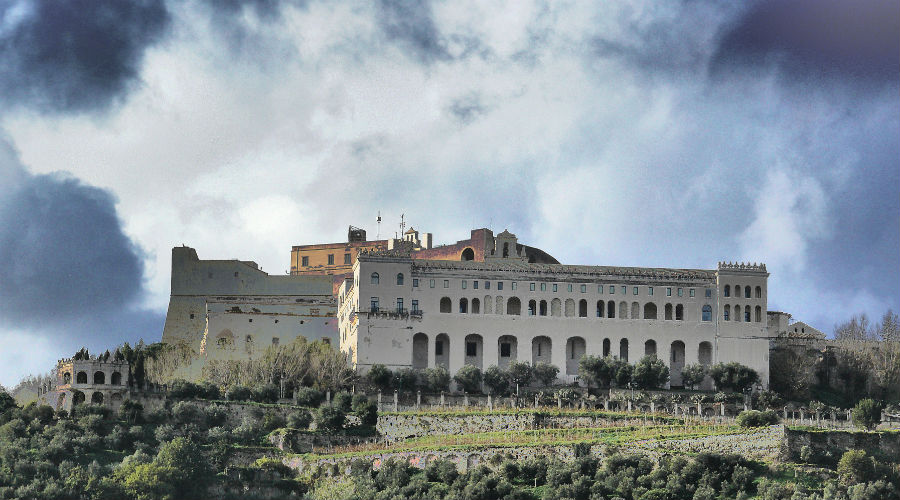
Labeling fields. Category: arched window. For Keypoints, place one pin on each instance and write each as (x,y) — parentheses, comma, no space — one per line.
(555,307)
(707,313)
(488,304)
(747,314)
(758,292)
(67,378)
(679,312)
(116,378)
(623,310)
(611,309)
(747,292)
(737,291)
(635,310)
(726,313)
(498,309)
(600,309)
(399,278)
(582,308)
(506,249)
(97,398)
(468,254)
(650,348)
(532,307)
(570,308)
(514,306)
(99,378)
(668,311)
(606,347)
(446,305)
(542,308)
(476,306)
(375,278)
(649,310)
(623,350)
(758,314)
(463,306)
(727,291)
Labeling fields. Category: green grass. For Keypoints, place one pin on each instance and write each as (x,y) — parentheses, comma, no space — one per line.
(528,438)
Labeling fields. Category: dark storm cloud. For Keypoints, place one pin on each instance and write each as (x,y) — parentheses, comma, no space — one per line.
(815,39)
(70,267)
(409,23)
(75,56)
(247,26)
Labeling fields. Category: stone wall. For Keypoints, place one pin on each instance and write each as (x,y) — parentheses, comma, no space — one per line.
(758,444)
(826,447)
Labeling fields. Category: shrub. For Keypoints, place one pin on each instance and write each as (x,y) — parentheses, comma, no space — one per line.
(343,400)
(468,378)
(266,393)
(546,373)
(692,375)
(184,412)
(855,467)
(520,373)
(307,396)
(238,393)
(131,411)
(437,379)
(496,380)
(183,389)
(754,418)
(734,376)
(405,379)
(650,373)
(272,421)
(330,419)
(299,419)
(867,414)
(595,370)
(216,415)
(380,377)
(366,410)
(209,390)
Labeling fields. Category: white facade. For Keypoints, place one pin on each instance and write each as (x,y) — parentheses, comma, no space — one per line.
(490,313)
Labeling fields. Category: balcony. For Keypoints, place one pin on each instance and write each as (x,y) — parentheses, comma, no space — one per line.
(395,313)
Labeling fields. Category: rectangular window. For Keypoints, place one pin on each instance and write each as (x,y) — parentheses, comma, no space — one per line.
(446,283)
(439,348)
(415,282)
(691,292)
(487,285)
(505,349)
(531,287)
(555,288)
(465,284)
(430,283)
(570,287)
(583,288)
(599,288)
(543,287)
(708,293)
(624,290)
(331,259)
(347,259)
(415,305)
(471,349)
(304,261)
(680,292)
(635,290)
(499,285)
(374,304)
(649,290)
(514,285)
(668,291)
(475,285)
(275,340)
(399,304)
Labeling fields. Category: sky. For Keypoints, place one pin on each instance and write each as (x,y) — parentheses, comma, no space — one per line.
(658,134)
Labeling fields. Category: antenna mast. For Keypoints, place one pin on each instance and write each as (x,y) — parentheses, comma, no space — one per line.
(402,224)
(378,220)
